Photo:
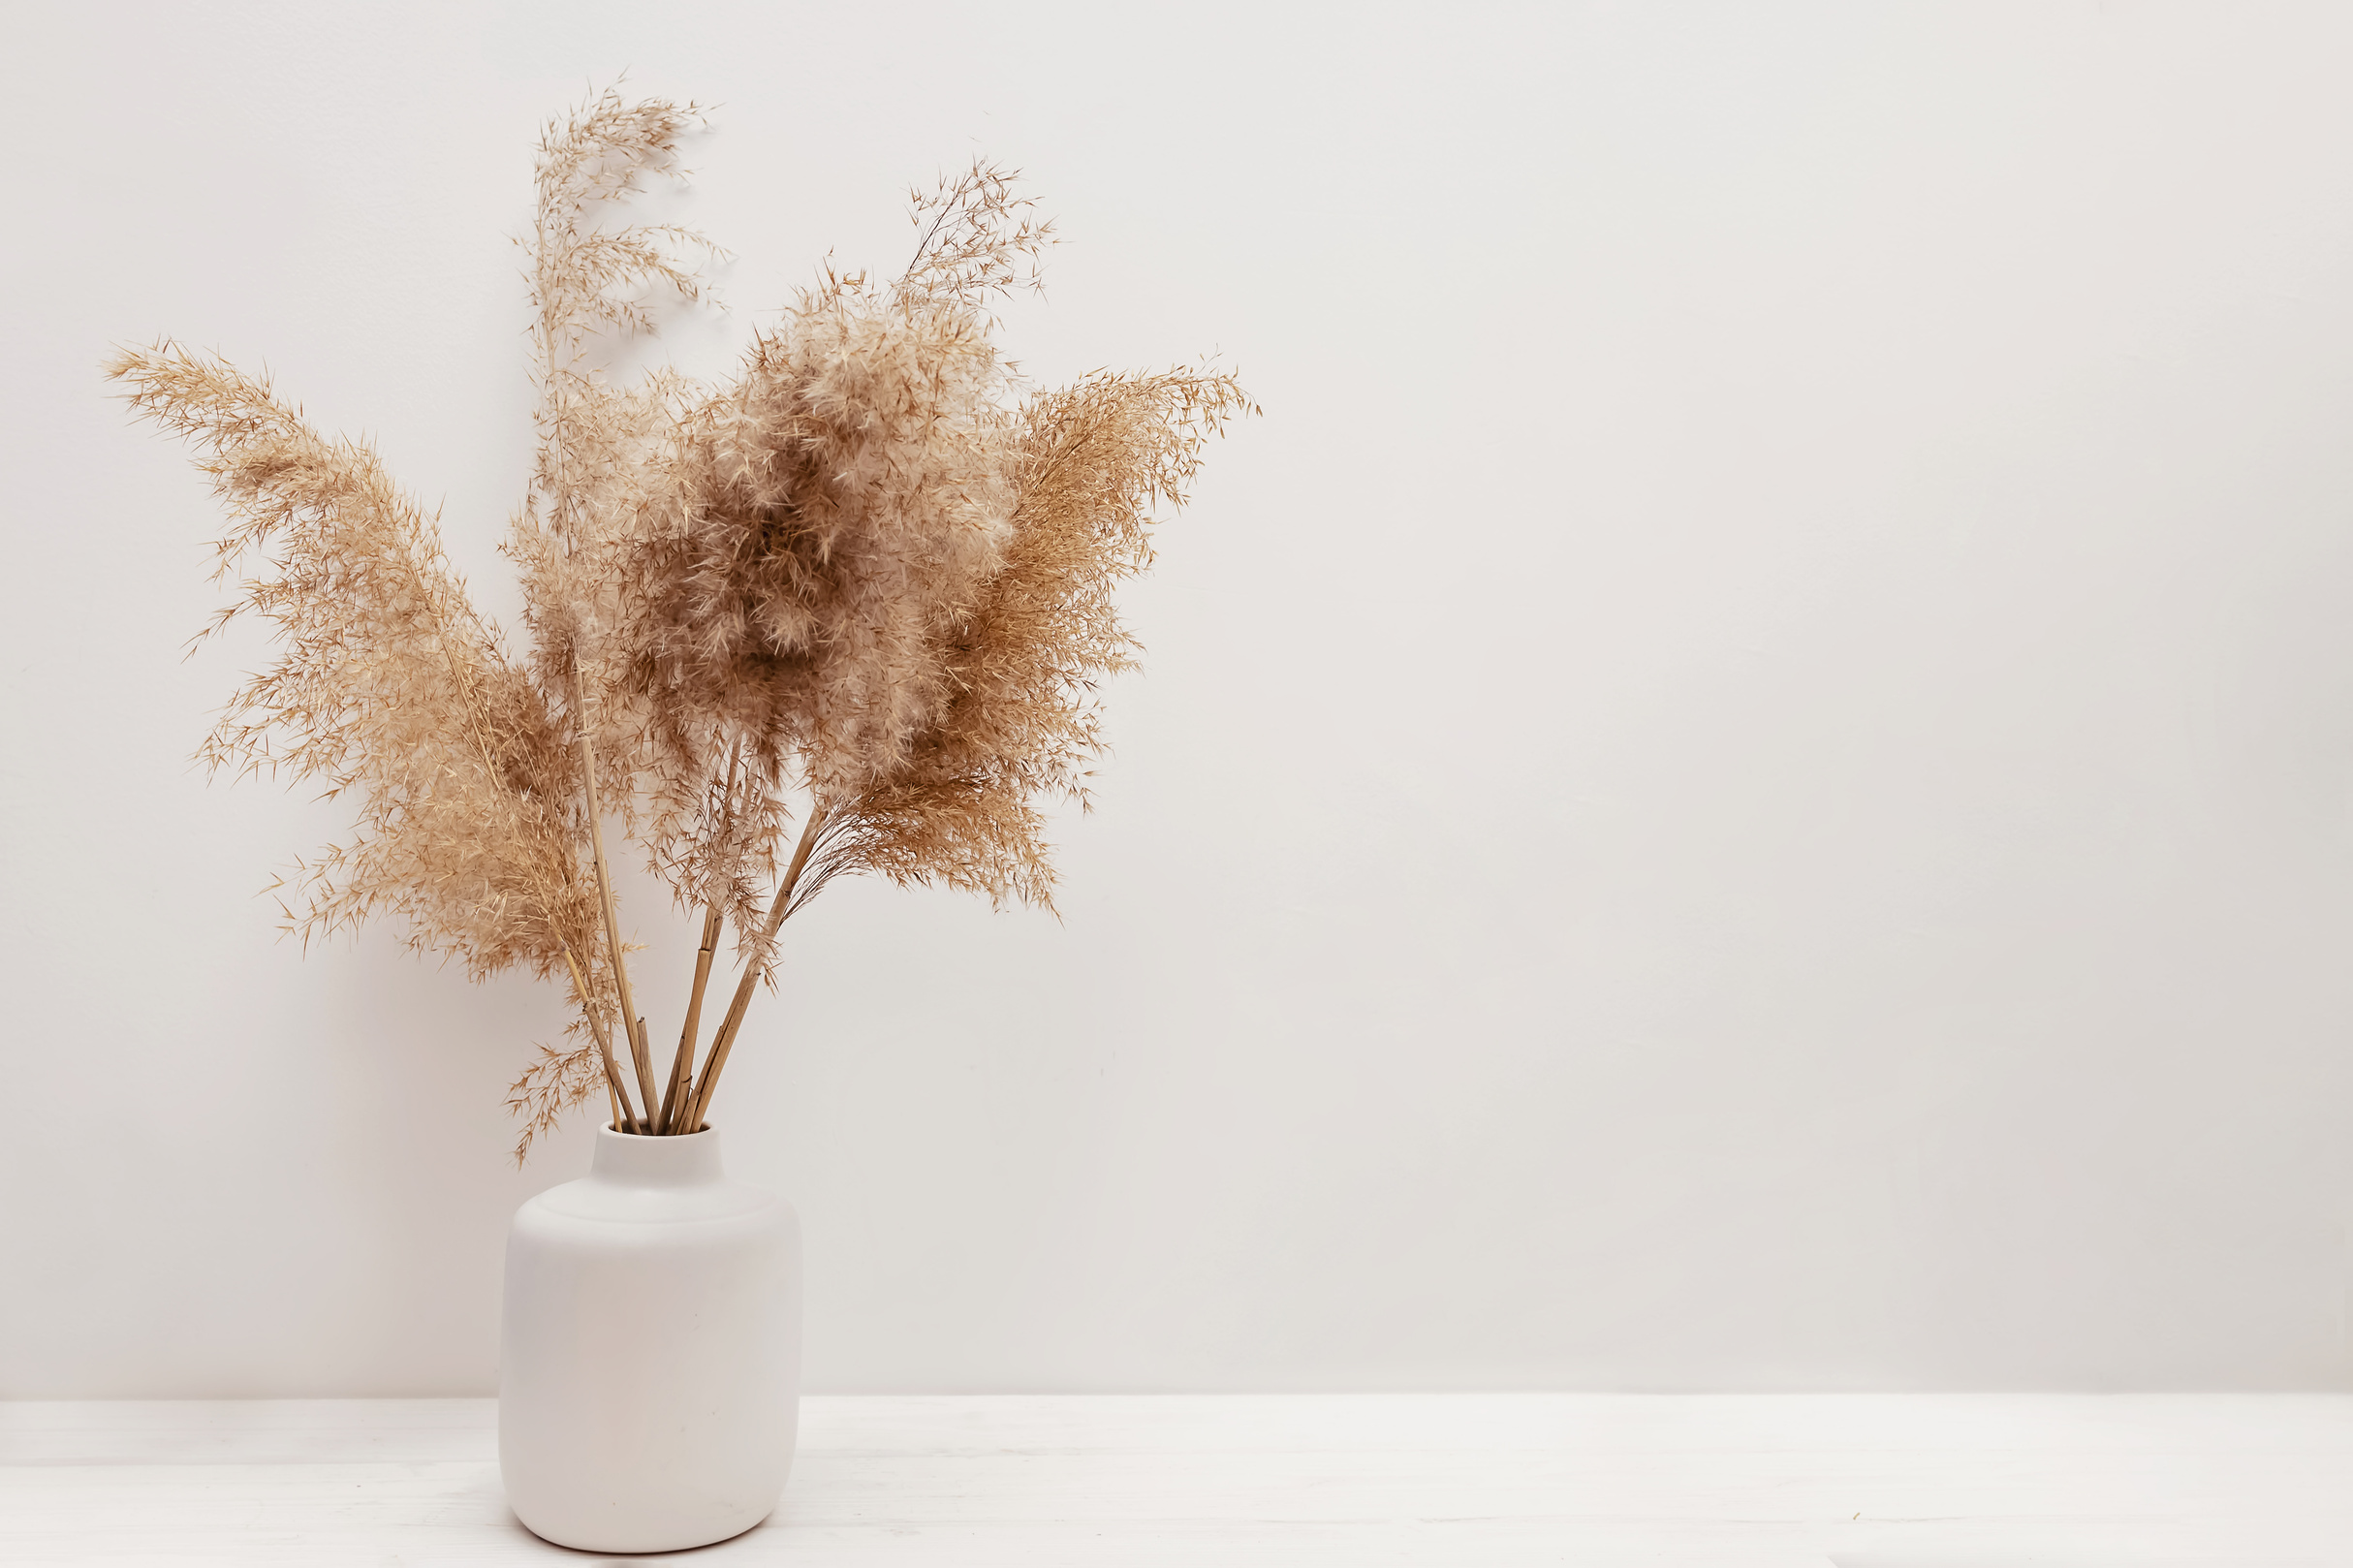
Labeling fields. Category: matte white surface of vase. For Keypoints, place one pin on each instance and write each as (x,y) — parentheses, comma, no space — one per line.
(650,1351)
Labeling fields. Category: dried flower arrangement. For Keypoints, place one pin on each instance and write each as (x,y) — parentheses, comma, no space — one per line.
(872,575)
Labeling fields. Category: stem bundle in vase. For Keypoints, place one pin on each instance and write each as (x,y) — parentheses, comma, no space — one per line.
(847,612)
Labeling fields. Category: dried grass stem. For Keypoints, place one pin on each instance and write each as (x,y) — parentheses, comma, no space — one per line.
(755,969)
(635,1026)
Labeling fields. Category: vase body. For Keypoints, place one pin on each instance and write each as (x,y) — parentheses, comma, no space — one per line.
(650,1351)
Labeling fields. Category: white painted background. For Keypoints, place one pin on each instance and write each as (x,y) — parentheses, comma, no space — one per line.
(1746,783)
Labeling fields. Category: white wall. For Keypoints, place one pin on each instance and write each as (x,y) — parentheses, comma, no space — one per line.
(1748,782)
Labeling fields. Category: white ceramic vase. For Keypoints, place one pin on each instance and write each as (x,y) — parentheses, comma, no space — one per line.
(650,1351)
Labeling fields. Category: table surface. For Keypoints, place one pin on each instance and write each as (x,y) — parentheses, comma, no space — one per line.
(1860,1480)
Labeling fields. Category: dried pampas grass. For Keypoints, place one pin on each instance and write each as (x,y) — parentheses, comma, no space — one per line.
(847,614)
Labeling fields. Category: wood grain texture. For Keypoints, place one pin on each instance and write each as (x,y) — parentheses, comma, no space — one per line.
(1861,1481)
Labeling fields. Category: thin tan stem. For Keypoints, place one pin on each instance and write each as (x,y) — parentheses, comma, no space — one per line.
(638,1055)
(725,1040)
(554,392)
(674,1098)
(622,1107)
(681,1065)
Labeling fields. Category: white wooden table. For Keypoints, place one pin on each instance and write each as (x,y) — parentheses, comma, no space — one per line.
(1869,1481)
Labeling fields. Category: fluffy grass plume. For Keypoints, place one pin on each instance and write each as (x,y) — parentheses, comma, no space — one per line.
(847,612)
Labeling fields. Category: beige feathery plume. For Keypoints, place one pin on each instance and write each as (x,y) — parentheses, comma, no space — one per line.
(1025,666)
(388,687)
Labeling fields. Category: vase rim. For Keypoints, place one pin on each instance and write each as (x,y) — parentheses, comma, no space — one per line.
(654,1160)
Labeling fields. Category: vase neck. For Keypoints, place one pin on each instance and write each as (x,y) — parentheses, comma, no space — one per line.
(628,1160)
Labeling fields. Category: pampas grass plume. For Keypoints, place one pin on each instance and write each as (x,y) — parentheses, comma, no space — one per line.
(848,612)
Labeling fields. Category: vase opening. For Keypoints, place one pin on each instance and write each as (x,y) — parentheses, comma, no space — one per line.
(641,1160)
